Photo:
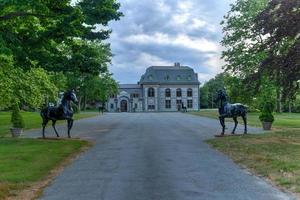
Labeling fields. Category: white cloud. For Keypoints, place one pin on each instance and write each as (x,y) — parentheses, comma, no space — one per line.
(214,63)
(161,32)
(203,77)
(181,40)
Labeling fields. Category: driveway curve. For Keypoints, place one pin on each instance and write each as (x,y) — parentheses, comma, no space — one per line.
(153,156)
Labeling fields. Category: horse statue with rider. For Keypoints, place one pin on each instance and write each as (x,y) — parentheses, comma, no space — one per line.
(228,110)
(63,111)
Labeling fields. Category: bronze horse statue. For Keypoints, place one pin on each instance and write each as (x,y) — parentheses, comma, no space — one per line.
(227,110)
(62,112)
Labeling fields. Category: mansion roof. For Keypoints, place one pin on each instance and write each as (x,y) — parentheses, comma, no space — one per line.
(169,75)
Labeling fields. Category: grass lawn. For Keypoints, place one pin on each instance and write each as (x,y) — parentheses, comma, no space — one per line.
(25,161)
(32,120)
(282,120)
(274,155)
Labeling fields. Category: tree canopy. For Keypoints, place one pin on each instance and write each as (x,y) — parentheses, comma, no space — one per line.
(261,40)
(279,22)
(41,42)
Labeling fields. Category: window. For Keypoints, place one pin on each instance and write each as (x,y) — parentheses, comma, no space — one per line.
(178,78)
(111,106)
(135,106)
(168,103)
(189,92)
(167,77)
(178,102)
(178,92)
(189,78)
(151,107)
(134,95)
(190,103)
(150,77)
(168,92)
(151,92)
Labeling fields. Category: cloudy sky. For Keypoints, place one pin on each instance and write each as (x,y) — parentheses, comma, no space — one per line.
(161,32)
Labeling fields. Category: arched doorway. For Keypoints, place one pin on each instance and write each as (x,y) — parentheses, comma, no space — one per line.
(124,106)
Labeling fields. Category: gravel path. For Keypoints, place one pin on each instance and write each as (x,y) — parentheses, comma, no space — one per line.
(153,156)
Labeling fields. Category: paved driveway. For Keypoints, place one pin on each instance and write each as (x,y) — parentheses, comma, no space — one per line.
(154,156)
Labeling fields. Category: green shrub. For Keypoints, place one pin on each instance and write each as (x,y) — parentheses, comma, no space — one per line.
(266,114)
(16,117)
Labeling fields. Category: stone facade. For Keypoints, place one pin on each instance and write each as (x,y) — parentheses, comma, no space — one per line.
(161,89)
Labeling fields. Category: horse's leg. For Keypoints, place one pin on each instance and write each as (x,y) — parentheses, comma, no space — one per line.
(245,123)
(235,124)
(53,125)
(44,124)
(222,122)
(70,124)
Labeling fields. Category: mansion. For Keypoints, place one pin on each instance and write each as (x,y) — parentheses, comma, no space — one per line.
(160,89)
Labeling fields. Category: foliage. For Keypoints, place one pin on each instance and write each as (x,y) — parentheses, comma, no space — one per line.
(266,113)
(279,22)
(209,90)
(43,42)
(37,33)
(28,87)
(260,43)
(92,88)
(16,118)
(243,44)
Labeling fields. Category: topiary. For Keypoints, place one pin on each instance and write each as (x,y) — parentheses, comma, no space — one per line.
(16,117)
(266,113)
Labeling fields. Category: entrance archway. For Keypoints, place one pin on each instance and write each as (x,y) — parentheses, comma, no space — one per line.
(124,106)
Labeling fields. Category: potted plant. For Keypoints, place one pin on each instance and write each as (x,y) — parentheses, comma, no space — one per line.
(17,122)
(266,116)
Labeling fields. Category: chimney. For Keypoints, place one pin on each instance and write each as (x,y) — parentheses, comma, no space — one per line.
(177,64)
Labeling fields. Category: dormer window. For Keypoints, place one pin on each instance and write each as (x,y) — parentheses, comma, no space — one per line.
(189,78)
(150,77)
(178,78)
(167,77)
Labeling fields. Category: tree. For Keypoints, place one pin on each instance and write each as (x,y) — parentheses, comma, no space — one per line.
(42,42)
(210,89)
(27,87)
(244,45)
(279,22)
(35,32)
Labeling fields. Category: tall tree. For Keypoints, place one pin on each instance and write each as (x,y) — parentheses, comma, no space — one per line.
(243,43)
(279,22)
(34,32)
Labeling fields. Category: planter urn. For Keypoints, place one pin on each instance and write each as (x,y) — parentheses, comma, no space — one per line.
(267,125)
(16,132)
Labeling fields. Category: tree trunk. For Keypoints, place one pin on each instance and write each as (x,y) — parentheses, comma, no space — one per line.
(279,99)
(79,102)
(84,102)
(290,106)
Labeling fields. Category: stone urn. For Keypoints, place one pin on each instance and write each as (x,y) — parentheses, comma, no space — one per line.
(267,125)
(16,132)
